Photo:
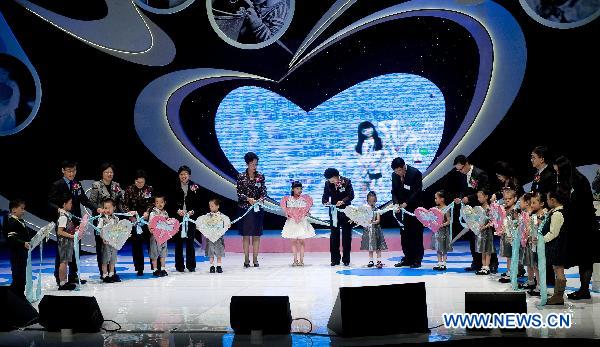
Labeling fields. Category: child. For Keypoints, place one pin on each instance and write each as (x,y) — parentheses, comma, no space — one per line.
(509,196)
(109,253)
(485,240)
(296,208)
(372,238)
(554,231)
(217,248)
(538,212)
(442,237)
(66,230)
(526,254)
(18,238)
(157,250)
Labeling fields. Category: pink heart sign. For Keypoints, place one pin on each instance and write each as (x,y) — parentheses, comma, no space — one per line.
(432,218)
(82,226)
(163,229)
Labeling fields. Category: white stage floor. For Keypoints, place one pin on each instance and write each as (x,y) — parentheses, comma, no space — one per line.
(200,301)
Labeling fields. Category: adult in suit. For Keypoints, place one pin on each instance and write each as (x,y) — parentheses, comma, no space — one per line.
(475,178)
(544,179)
(407,187)
(69,186)
(338,192)
(185,198)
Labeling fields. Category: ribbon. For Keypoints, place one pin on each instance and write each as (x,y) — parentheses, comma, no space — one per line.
(90,221)
(184,225)
(76,251)
(333,211)
(514,262)
(138,224)
(29,293)
(38,240)
(255,208)
(541,253)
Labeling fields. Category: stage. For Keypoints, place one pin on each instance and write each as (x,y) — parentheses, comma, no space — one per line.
(199,302)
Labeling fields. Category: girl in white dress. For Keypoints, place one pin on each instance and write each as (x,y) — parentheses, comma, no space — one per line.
(297,228)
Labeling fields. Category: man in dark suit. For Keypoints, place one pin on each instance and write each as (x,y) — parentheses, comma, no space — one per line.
(407,187)
(475,178)
(68,186)
(185,199)
(338,192)
(544,180)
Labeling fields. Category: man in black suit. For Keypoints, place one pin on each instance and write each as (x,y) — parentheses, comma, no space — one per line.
(407,187)
(544,180)
(475,178)
(338,192)
(68,186)
(185,199)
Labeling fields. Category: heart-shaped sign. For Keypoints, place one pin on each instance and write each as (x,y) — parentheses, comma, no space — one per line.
(432,218)
(213,226)
(361,215)
(405,111)
(163,228)
(296,209)
(83,224)
(41,235)
(497,215)
(474,217)
(116,234)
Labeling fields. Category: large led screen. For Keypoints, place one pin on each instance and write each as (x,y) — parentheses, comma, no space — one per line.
(358,131)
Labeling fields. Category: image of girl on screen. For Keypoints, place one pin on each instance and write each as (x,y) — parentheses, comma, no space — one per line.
(370,156)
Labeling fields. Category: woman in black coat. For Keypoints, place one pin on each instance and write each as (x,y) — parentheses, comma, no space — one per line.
(583,237)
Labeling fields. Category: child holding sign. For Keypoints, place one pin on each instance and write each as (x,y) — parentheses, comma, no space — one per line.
(66,230)
(158,250)
(212,222)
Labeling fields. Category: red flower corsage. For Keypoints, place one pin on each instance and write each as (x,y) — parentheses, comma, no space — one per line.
(259,178)
(340,185)
(75,186)
(536,178)
(117,188)
(194,187)
(474,183)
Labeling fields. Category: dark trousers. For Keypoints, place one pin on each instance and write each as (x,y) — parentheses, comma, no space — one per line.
(476,262)
(72,276)
(334,240)
(137,248)
(18,266)
(190,250)
(411,239)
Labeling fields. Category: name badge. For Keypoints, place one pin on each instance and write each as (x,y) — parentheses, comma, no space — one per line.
(342,189)
(406,186)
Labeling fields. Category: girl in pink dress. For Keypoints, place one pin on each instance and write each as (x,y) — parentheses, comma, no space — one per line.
(296,208)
